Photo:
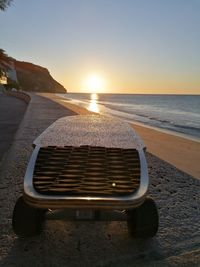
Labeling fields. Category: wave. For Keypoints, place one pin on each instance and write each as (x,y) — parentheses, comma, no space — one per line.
(187,127)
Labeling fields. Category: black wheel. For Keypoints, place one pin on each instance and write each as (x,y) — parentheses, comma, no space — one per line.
(26,220)
(143,221)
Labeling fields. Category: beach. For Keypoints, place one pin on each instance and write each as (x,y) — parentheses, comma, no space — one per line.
(77,243)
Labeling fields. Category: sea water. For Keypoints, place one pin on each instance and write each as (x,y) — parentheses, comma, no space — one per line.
(177,113)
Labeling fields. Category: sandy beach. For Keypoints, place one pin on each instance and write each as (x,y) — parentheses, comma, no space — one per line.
(178,151)
(100,244)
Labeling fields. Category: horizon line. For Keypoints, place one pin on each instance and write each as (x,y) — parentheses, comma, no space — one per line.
(175,94)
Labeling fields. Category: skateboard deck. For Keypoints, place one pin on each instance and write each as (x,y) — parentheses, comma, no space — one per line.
(92,130)
(87,157)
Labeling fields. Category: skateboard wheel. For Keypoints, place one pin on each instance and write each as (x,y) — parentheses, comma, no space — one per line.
(26,220)
(143,221)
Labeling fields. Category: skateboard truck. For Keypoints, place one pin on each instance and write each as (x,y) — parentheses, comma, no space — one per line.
(87,179)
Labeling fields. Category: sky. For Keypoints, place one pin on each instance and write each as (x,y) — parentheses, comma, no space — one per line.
(109,46)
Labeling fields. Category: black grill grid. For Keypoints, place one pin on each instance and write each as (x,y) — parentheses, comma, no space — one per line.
(86,170)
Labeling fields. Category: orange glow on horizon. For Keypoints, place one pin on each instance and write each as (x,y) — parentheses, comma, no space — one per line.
(116,83)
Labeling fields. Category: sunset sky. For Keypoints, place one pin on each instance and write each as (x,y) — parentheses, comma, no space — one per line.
(116,46)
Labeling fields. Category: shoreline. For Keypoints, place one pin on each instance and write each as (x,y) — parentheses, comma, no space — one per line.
(166,131)
(181,152)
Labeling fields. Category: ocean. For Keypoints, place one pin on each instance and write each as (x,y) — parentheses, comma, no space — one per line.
(179,114)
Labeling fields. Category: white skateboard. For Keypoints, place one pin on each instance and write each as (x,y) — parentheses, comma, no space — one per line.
(87,164)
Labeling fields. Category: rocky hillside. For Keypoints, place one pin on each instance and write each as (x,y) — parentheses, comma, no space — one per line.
(35,78)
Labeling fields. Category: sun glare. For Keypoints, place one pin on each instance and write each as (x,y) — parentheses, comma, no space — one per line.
(95,84)
(93,106)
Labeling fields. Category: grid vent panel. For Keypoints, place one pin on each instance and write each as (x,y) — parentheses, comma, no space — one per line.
(86,170)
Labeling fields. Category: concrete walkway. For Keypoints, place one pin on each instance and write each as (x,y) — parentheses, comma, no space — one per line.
(11,112)
(65,243)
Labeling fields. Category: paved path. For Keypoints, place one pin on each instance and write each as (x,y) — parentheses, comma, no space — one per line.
(11,112)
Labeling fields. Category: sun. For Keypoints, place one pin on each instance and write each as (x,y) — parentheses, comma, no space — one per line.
(94,84)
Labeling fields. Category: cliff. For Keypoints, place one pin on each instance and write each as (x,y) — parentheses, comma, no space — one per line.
(35,78)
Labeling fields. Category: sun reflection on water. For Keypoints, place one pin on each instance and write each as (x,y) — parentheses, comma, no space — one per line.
(93,106)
